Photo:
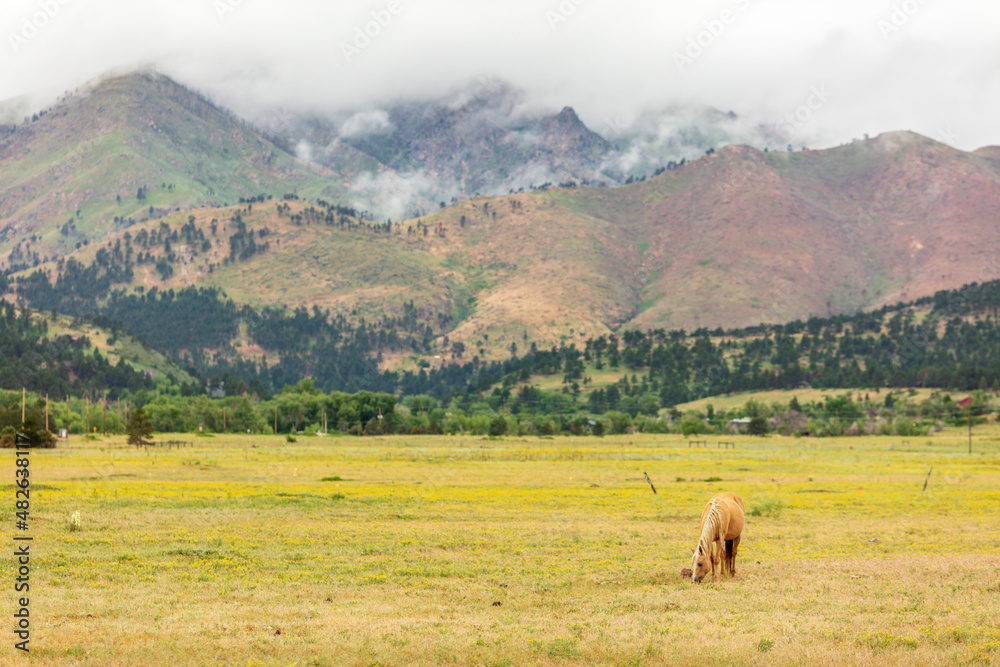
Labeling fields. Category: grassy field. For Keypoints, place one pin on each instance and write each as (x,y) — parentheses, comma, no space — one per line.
(462,551)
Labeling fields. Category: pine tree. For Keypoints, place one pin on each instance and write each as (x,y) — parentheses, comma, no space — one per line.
(140,429)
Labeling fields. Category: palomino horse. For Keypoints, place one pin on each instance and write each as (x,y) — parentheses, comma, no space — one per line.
(721,525)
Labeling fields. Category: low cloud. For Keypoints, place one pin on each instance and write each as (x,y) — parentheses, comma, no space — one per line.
(303,150)
(364,124)
(387,194)
(918,65)
(653,137)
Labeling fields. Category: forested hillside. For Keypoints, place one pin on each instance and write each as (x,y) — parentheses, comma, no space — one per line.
(60,365)
(950,340)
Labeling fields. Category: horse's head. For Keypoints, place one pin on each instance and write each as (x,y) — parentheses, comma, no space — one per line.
(701,564)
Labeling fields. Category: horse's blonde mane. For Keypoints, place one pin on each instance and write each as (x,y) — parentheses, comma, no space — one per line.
(710,529)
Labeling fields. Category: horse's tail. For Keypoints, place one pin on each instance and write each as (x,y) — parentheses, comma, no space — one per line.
(729,556)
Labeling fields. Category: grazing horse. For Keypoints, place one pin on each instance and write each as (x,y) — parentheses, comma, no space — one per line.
(721,525)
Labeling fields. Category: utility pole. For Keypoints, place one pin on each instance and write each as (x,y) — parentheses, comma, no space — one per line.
(970,426)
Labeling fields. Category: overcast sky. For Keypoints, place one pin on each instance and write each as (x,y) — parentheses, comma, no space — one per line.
(845,68)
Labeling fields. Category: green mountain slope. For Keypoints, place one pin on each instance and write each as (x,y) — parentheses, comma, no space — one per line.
(128,149)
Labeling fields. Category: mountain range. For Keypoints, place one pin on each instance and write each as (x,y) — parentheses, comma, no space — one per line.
(571,235)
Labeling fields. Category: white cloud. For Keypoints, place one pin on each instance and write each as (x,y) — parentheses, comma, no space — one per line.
(366,123)
(303,150)
(397,196)
(935,69)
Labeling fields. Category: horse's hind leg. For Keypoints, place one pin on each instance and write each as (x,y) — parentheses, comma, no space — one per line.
(735,542)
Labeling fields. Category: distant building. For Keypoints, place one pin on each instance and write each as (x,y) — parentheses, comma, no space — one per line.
(740,423)
(217,390)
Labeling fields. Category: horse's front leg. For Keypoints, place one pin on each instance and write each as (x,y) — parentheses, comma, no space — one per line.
(716,558)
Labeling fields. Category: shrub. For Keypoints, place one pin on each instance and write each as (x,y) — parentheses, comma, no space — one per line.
(757,426)
(620,421)
(694,427)
(498,426)
(771,507)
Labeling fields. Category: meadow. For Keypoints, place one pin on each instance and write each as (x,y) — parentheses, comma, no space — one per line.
(451,550)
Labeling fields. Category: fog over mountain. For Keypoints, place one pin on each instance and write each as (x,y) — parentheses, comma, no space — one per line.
(878,66)
(489,138)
